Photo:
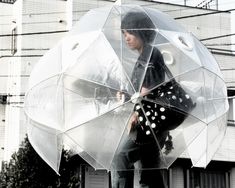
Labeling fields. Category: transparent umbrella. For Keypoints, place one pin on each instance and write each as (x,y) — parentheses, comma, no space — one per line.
(72,98)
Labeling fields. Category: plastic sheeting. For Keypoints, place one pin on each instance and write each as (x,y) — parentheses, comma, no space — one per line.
(72,92)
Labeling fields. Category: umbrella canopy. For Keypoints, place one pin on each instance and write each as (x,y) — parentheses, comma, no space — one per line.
(72,92)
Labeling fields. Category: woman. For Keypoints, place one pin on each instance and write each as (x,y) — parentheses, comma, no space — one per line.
(139,34)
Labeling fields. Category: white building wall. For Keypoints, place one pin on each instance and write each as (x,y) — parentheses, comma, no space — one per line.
(34,17)
(2,132)
(12,123)
(227,67)
(226,151)
(5,43)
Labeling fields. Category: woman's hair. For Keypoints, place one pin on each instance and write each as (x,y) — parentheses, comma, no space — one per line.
(140,25)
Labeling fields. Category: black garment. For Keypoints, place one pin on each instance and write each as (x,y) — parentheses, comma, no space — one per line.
(148,155)
(151,61)
(148,72)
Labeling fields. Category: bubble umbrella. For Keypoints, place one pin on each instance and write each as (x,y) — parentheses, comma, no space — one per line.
(72,98)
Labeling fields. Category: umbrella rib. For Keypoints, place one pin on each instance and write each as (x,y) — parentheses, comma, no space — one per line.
(97,83)
(57,74)
(121,135)
(170,79)
(112,110)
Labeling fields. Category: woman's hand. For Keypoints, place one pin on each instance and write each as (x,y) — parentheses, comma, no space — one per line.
(120,96)
(132,122)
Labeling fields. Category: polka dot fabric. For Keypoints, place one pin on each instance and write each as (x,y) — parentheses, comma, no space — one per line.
(164,109)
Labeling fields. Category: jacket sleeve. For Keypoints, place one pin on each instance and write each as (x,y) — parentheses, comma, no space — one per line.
(155,73)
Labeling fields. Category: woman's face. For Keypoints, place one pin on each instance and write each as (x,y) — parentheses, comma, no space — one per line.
(132,41)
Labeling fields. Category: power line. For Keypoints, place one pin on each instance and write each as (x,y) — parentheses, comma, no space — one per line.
(223,53)
(25,49)
(15,56)
(219,36)
(35,33)
(204,14)
(181,2)
(230,69)
(6,76)
(220,49)
(220,44)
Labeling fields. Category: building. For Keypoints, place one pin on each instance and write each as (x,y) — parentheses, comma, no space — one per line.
(29,28)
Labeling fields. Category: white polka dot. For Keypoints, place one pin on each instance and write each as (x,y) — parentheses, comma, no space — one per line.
(169,92)
(187,96)
(137,107)
(173,97)
(180,100)
(153,125)
(163,117)
(162,94)
(162,109)
(147,132)
(155,113)
(153,118)
(171,87)
(148,113)
(141,118)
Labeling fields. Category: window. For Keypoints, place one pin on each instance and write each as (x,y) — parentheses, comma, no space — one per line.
(3,99)
(207,179)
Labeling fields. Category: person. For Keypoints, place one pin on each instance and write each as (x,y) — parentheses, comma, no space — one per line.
(139,34)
